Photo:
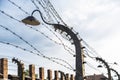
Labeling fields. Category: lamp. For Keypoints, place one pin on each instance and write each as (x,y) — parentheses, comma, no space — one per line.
(106,65)
(99,66)
(31,20)
(63,28)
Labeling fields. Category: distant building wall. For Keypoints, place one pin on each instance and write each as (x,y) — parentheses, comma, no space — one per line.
(96,77)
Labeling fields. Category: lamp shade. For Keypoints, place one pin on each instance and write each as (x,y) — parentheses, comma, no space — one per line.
(31,21)
(99,66)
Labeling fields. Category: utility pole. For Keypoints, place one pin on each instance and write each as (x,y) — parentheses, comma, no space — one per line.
(106,65)
(116,73)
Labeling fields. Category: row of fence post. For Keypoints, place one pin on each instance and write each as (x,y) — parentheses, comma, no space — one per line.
(58,75)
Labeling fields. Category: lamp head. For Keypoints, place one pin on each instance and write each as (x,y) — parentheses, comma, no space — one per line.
(99,66)
(31,21)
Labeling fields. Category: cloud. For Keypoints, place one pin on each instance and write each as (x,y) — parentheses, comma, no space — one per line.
(94,17)
(96,21)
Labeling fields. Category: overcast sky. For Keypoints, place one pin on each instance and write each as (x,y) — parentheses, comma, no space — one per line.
(96,21)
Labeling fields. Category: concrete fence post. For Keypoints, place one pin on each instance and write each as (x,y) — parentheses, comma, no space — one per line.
(41,73)
(56,75)
(71,77)
(49,72)
(67,77)
(4,68)
(32,71)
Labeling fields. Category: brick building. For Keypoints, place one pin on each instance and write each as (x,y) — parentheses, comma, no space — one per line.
(96,77)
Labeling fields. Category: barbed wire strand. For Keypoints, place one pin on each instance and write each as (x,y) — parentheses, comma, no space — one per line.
(47,10)
(87,53)
(11,57)
(65,24)
(55,41)
(51,30)
(61,42)
(10,16)
(35,4)
(7,43)
(91,48)
(37,30)
(32,28)
(21,39)
(18,7)
(92,53)
(55,12)
(13,18)
(52,8)
(90,65)
(63,61)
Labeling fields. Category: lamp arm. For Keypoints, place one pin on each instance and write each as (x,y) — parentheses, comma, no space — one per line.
(41,17)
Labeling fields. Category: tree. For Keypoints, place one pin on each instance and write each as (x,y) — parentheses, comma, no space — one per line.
(27,73)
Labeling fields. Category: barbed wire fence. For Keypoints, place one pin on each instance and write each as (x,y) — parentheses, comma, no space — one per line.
(50,11)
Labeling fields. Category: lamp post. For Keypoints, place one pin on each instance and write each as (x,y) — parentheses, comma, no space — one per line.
(63,28)
(107,66)
(116,73)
